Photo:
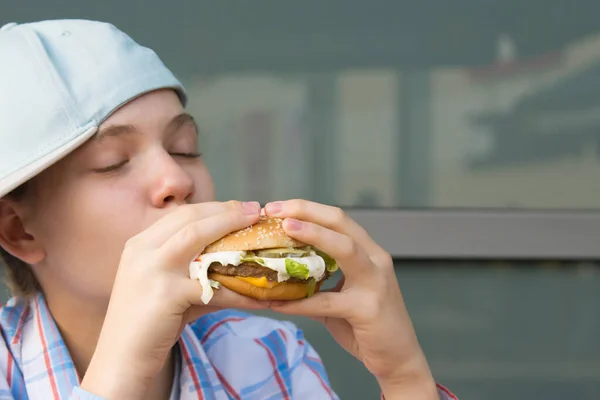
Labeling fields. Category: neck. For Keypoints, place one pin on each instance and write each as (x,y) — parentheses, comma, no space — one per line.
(80,322)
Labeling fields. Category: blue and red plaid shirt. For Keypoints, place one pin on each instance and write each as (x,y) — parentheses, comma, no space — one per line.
(224,355)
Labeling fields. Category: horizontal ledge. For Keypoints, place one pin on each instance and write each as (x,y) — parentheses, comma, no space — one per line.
(482,234)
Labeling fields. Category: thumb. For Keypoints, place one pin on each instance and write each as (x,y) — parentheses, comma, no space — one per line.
(195,312)
(192,314)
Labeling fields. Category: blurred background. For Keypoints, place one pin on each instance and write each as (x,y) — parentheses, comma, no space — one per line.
(465,135)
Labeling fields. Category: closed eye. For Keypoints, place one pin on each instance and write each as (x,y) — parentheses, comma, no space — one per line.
(110,168)
(116,166)
(187,155)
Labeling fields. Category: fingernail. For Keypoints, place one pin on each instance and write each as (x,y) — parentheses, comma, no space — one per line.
(293,224)
(251,207)
(274,208)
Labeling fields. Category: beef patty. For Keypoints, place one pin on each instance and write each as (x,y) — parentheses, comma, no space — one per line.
(251,270)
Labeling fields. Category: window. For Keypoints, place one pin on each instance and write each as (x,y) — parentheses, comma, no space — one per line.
(509,121)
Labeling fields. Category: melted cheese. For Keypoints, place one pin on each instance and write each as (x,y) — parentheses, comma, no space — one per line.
(258,282)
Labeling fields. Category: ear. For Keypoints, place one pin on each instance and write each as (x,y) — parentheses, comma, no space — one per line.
(14,237)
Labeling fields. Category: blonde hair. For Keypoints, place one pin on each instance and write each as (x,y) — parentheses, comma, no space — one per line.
(18,275)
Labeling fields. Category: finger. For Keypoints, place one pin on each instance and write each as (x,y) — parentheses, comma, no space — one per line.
(330,217)
(167,226)
(322,304)
(193,237)
(195,312)
(349,255)
(222,298)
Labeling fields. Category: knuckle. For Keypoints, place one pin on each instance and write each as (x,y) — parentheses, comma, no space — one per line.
(350,248)
(383,259)
(132,242)
(234,204)
(234,216)
(325,303)
(189,213)
(296,205)
(339,215)
(191,233)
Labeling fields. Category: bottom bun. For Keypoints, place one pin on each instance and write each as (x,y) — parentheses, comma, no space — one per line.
(282,291)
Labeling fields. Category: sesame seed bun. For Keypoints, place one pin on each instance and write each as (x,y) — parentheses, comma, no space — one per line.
(267,233)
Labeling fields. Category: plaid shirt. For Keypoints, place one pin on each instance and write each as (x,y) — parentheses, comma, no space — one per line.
(223,355)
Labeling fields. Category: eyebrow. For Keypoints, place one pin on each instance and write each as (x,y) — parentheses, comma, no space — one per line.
(119,130)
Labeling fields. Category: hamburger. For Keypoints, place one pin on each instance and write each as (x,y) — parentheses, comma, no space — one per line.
(263,263)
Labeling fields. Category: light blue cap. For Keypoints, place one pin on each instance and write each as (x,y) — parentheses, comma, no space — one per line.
(59,80)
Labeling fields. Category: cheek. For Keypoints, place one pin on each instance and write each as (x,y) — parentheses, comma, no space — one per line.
(96,210)
(205,188)
(84,233)
(108,217)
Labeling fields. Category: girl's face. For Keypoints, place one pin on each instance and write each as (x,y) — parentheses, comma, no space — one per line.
(143,163)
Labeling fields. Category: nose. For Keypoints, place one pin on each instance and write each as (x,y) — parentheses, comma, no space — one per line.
(171,184)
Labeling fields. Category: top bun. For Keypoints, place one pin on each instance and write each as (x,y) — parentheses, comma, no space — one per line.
(267,233)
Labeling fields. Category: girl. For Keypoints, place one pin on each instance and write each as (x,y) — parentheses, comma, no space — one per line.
(105,201)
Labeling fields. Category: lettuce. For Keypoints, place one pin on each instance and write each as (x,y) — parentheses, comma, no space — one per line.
(296,269)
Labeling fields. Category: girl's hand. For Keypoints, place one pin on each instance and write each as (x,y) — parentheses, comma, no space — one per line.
(365,313)
(154,298)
